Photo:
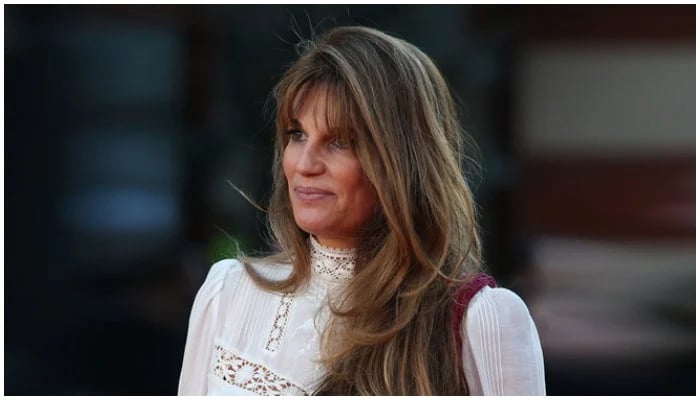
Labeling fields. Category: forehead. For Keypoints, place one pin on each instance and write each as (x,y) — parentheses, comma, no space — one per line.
(325,105)
(311,104)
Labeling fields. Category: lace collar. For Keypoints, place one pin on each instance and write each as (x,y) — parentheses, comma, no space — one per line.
(330,263)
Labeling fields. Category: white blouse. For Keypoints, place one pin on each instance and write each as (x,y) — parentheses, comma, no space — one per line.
(243,340)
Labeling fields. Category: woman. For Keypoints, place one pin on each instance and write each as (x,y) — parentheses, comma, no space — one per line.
(377,241)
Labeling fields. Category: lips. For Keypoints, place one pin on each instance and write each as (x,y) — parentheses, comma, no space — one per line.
(308,193)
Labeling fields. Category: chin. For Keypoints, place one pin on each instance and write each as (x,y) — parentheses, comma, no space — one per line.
(312,226)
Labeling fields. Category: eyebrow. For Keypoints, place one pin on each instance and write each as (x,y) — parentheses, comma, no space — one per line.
(296,124)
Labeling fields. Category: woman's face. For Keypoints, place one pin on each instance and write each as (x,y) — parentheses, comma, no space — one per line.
(330,195)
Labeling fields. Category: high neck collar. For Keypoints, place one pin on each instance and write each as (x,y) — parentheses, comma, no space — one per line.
(331,263)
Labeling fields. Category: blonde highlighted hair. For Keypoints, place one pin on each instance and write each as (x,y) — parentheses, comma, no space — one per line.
(390,333)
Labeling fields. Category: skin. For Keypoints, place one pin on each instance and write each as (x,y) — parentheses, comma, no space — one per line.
(330,195)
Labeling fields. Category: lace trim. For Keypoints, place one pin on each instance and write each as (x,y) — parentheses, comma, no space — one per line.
(281,318)
(251,376)
(337,264)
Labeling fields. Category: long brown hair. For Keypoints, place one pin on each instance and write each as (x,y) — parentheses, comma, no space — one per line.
(390,332)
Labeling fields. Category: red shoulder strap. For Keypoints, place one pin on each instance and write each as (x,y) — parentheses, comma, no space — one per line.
(464,295)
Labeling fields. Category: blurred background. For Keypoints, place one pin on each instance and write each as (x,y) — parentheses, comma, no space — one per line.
(125,124)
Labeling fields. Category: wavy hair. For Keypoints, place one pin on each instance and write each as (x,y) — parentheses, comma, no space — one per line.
(390,332)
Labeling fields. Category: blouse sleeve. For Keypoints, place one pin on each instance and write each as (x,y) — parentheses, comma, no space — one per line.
(501,349)
(201,330)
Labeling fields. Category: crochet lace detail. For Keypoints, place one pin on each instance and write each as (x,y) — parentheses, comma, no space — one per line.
(280,323)
(336,264)
(251,376)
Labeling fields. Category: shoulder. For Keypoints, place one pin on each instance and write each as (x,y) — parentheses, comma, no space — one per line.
(501,351)
(229,271)
(222,268)
(226,278)
(493,308)
(220,272)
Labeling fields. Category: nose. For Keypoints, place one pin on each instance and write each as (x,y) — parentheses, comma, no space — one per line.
(310,162)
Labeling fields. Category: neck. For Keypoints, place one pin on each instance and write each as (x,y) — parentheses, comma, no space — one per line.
(336,243)
(336,264)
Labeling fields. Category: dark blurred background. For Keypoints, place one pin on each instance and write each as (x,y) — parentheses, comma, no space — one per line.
(125,124)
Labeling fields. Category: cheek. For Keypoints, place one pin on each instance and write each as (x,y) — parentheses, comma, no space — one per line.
(364,195)
(368,196)
(365,204)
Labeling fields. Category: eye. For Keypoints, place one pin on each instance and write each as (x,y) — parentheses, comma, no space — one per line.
(295,135)
(339,143)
